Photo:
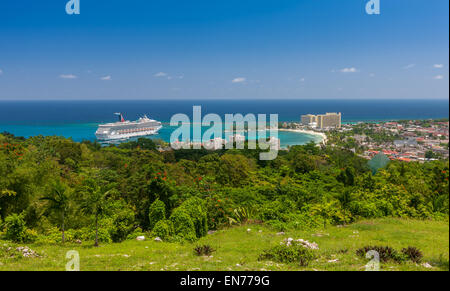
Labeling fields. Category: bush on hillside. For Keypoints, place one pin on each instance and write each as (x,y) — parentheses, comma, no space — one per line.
(288,254)
(196,209)
(385,253)
(413,253)
(163,229)
(16,230)
(53,236)
(204,250)
(122,224)
(88,234)
(137,232)
(184,228)
(157,212)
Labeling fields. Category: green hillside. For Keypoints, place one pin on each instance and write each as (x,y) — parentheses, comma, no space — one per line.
(239,249)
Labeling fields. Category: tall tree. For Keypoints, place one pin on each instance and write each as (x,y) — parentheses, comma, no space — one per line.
(345,198)
(95,204)
(58,201)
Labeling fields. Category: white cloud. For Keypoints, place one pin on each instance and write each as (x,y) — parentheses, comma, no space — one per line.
(106,78)
(68,76)
(239,80)
(438,66)
(302,79)
(410,66)
(160,74)
(439,77)
(166,75)
(1,72)
(349,70)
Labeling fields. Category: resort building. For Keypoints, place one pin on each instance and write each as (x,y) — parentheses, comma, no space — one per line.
(322,121)
(309,120)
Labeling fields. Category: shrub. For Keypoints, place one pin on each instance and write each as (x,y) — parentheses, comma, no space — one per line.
(122,225)
(219,212)
(53,236)
(272,211)
(365,209)
(137,232)
(88,234)
(288,254)
(386,253)
(157,212)
(243,214)
(304,221)
(196,209)
(204,250)
(30,235)
(277,225)
(15,228)
(103,235)
(163,229)
(412,253)
(183,226)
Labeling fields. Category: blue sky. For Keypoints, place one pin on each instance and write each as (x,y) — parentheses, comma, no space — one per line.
(236,49)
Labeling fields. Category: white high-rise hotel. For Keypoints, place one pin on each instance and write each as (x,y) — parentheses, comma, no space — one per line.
(328,120)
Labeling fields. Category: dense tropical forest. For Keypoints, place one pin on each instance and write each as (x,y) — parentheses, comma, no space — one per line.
(54,190)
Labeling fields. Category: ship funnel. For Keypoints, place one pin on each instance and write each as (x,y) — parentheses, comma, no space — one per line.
(121,119)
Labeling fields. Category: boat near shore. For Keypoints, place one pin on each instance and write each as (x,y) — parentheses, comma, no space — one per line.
(124,129)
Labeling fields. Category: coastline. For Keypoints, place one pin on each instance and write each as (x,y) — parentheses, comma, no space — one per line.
(322,135)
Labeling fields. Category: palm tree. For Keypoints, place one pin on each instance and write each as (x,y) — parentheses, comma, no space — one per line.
(95,204)
(58,201)
(345,198)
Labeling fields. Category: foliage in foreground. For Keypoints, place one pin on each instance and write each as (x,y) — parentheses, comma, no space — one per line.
(387,253)
(203,250)
(238,249)
(82,191)
(413,253)
(288,254)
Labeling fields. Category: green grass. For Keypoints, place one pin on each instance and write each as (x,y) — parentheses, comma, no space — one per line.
(237,249)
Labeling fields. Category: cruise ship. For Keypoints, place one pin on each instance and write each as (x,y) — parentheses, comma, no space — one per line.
(124,129)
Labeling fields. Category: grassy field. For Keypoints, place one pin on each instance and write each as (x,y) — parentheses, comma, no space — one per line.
(238,249)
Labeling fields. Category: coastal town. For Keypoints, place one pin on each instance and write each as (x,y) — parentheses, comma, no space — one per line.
(404,140)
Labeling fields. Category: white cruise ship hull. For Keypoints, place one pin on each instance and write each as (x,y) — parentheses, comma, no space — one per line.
(119,136)
(126,129)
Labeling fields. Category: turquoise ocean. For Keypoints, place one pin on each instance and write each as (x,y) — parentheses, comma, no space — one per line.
(79,119)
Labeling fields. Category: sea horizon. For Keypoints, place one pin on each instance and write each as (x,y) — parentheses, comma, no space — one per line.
(351,109)
(79,119)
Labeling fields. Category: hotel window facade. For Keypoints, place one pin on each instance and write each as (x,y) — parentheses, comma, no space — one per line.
(328,120)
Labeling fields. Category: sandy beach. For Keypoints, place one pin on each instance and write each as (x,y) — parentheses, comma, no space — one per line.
(322,135)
